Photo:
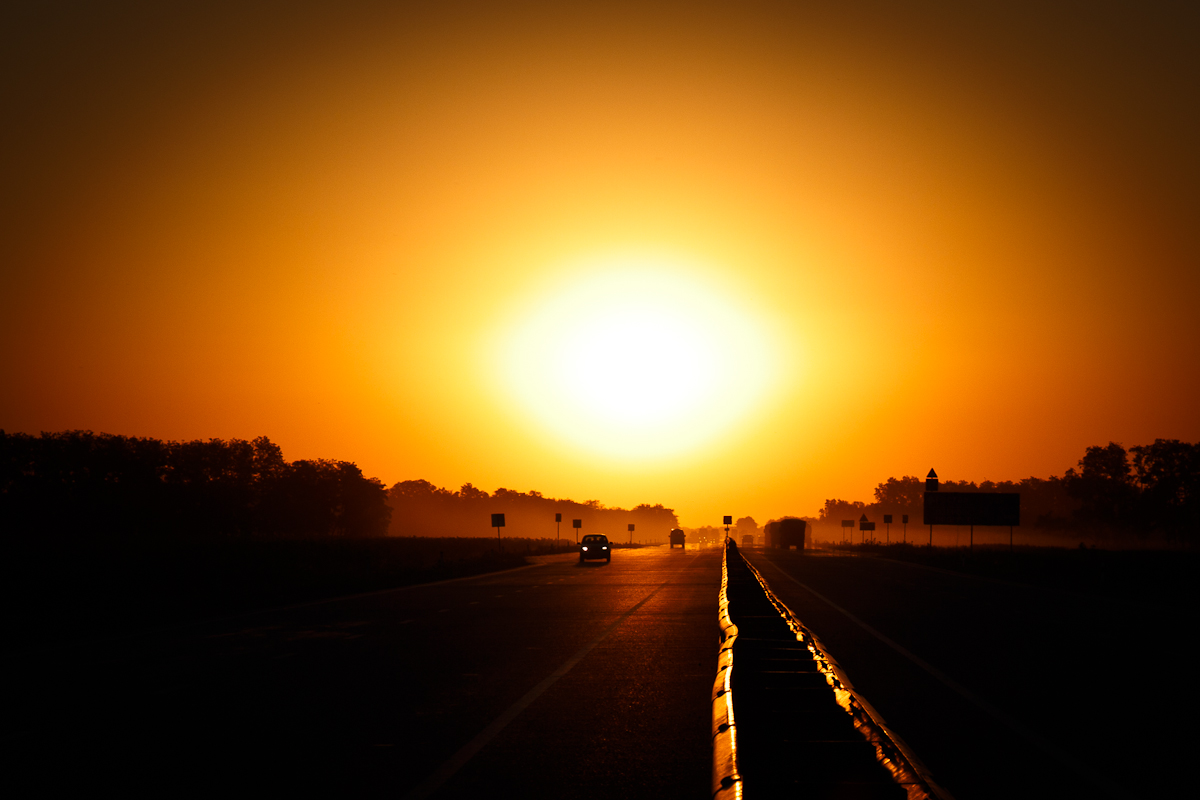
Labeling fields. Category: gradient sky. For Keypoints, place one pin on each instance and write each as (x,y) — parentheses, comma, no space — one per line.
(860,241)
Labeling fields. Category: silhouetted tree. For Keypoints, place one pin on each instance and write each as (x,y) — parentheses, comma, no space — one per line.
(1104,486)
(82,486)
(1168,475)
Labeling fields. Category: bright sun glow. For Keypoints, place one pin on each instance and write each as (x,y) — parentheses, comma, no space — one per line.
(636,358)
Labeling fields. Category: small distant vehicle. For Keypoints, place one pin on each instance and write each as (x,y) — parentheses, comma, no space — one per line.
(594,545)
(748,540)
(678,537)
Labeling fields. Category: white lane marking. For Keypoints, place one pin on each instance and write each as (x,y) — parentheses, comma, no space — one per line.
(1041,743)
(456,762)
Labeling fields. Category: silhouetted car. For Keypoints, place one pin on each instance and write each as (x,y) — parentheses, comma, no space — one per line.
(594,545)
(748,540)
(678,537)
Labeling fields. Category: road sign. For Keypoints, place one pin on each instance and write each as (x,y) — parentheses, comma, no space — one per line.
(887,519)
(630,526)
(847,523)
(728,520)
(576,523)
(931,482)
(904,519)
(558,517)
(866,526)
(863,518)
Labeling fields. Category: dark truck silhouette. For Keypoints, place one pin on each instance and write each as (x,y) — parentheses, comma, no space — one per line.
(785,533)
(678,537)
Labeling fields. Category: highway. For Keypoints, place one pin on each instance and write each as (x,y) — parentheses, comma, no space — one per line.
(569,680)
(553,680)
(1005,690)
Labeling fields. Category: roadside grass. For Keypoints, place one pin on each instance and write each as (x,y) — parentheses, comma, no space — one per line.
(56,591)
(1156,577)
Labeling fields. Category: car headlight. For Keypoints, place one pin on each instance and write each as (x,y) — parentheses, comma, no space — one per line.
(585,549)
(603,548)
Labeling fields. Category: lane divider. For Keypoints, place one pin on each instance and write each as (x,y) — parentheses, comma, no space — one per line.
(726,780)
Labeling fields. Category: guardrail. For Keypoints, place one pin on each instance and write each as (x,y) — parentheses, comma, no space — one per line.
(805,730)
(726,781)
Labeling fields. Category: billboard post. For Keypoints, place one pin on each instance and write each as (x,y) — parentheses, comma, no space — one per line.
(498,523)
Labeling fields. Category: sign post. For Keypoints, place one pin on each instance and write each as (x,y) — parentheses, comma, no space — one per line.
(887,521)
(848,523)
(576,524)
(904,519)
(931,485)
(557,530)
(631,533)
(728,520)
(498,523)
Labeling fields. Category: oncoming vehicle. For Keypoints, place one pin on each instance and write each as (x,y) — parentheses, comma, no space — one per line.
(594,545)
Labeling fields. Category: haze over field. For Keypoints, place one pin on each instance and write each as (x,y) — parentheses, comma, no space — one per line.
(731,259)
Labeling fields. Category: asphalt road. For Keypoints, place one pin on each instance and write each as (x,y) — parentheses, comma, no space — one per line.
(1005,690)
(553,680)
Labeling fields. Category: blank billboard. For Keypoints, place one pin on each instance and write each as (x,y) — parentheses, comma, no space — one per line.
(972,508)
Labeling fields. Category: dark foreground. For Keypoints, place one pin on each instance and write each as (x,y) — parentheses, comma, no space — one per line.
(569,680)
(552,680)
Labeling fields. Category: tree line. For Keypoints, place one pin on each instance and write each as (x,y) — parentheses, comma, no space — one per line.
(419,508)
(1143,490)
(79,485)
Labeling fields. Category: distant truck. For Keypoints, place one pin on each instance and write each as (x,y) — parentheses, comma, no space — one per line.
(748,540)
(678,537)
(786,533)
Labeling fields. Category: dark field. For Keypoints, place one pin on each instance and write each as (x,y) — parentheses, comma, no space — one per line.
(1157,577)
(55,593)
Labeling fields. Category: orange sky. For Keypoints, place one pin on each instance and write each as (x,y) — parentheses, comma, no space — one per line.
(890,239)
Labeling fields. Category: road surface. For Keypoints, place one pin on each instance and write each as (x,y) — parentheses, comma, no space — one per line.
(554,680)
(1005,690)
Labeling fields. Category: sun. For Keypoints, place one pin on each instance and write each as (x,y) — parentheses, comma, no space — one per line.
(635,357)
